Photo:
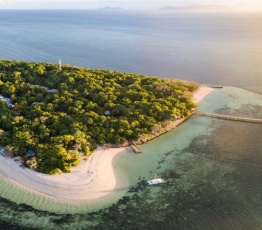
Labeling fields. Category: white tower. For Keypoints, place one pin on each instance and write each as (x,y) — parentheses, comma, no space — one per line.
(60,65)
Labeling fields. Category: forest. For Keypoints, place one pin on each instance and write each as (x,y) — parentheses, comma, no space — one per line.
(62,114)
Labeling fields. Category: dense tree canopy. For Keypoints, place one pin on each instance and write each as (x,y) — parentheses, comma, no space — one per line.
(61,113)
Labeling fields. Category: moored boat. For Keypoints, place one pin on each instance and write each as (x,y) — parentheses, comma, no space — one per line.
(155,181)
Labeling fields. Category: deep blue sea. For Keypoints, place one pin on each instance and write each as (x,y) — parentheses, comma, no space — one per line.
(207,48)
(212,167)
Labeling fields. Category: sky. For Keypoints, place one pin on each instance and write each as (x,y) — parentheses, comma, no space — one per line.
(126,4)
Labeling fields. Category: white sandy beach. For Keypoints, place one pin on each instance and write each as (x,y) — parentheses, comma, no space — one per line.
(90,180)
(200,94)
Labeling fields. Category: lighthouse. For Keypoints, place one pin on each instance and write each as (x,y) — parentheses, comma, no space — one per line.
(60,65)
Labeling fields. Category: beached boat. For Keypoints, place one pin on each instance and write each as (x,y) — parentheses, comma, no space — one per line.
(155,181)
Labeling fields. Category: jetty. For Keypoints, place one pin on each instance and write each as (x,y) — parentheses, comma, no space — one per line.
(216,86)
(135,148)
(227,117)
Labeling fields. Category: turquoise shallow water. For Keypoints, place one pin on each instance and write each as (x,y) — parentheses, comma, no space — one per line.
(212,171)
(232,98)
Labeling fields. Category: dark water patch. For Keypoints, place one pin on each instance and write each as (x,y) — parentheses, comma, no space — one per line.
(171,206)
(165,157)
(237,146)
(8,225)
(232,141)
(251,111)
(200,192)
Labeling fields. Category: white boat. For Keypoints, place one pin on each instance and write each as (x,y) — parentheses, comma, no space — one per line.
(155,181)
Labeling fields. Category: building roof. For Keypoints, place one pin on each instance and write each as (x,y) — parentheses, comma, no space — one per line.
(52,91)
(30,152)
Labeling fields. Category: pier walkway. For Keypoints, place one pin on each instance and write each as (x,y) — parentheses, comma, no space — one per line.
(135,148)
(232,118)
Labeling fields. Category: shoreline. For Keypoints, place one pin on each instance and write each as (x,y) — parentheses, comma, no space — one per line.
(91,180)
(198,96)
(87,181)
(201,93)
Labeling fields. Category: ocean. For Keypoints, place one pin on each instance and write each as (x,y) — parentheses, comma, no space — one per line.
(212,167)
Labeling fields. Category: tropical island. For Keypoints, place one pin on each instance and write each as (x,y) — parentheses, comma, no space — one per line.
(54,115)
